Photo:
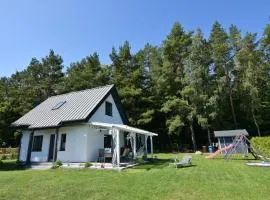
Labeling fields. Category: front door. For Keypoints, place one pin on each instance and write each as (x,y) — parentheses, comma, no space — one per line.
(51,148)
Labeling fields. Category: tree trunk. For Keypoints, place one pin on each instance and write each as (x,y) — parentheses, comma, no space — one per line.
(232,109)
(209,137)
(255,122)
(193,136)
(231,99)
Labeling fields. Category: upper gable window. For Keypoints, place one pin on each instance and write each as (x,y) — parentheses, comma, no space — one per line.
(58,105)
(108,108)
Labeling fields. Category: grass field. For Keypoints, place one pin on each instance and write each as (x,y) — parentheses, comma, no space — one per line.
(206,179)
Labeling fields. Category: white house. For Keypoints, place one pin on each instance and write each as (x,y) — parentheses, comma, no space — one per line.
(73,127)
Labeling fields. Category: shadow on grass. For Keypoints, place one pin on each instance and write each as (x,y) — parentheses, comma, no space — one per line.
(10,165)
(157,164)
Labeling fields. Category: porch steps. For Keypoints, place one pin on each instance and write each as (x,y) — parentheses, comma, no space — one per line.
(41,165)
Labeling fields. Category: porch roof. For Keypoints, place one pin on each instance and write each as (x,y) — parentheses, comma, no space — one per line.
(122,127)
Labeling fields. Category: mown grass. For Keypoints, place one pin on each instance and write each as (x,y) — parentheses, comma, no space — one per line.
(206,179)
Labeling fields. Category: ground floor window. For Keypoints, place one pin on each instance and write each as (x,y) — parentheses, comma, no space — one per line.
(37,143)
(63,142)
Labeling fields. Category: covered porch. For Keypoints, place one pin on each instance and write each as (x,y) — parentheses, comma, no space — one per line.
(132,135)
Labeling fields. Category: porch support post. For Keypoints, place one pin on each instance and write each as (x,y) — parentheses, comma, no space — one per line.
(117,147)
(145,145)
(152,152)
(134,146)
(55,144)
(29,150)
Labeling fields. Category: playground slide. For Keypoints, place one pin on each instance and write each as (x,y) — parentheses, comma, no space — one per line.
(220,150)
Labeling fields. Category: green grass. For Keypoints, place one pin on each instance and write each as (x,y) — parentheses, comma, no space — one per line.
(206,179)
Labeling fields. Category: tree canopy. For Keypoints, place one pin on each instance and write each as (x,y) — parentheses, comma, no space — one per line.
(183,89)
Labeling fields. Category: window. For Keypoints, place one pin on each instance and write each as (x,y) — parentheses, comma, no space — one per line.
(63,142)
(108,108)
(37,143)
(58,105)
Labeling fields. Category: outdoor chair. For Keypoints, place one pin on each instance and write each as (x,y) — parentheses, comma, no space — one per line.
(125,156)
(186,161)
(101,157)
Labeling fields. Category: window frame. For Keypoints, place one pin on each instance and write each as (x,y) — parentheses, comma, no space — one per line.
(108,108)
(58,105)
(63,142)
(37,147)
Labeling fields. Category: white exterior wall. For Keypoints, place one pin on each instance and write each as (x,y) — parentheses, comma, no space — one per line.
(99,116)
(42,156)
(76,142)
(95,141)
(24,145)
(82,141)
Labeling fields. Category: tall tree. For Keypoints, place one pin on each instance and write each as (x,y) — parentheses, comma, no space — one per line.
(87,73)
(175,50)
(223,67)
(127,74)
(197,79)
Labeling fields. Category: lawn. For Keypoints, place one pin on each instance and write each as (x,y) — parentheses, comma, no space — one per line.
(206,179)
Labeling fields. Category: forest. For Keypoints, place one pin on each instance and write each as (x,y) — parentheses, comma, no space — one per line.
(183,89)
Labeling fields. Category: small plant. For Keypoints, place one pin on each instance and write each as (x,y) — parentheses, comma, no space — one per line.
(13,156)
(57,164)
(87,164)
(4,157)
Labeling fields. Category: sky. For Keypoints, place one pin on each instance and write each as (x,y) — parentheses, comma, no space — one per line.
(77,28)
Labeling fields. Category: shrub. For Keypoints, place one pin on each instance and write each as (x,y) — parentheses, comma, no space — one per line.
(262,144)
(1,162)
(13,156)
(87,164)
(57,164)
(4,157)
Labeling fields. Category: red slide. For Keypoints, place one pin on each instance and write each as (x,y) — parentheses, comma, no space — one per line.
(220,150)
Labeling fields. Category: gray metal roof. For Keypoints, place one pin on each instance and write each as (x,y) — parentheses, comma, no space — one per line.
(229,133)
(77,107)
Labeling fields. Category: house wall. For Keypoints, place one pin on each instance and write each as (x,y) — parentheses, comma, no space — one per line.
(76,143)
(42,156)
(95,141)
(82,141)
(99,115)
(24,145)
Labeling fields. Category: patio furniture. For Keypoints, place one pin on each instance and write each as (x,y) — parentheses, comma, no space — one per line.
(101,157)
(126,155)
(186,161)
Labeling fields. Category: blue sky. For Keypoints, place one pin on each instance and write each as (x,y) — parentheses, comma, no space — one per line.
(77,28)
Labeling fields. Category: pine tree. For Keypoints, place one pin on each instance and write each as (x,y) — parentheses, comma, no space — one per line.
(223,68)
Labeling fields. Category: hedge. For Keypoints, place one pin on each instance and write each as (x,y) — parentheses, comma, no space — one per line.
(262,144)
(8,153)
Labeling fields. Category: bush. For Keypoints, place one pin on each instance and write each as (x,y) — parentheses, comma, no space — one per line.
(87,164)
(57,164)
(4,157)
(1,162)
(13,156)
(262,144)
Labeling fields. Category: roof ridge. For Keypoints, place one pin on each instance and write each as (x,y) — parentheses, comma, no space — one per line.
(109,85)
